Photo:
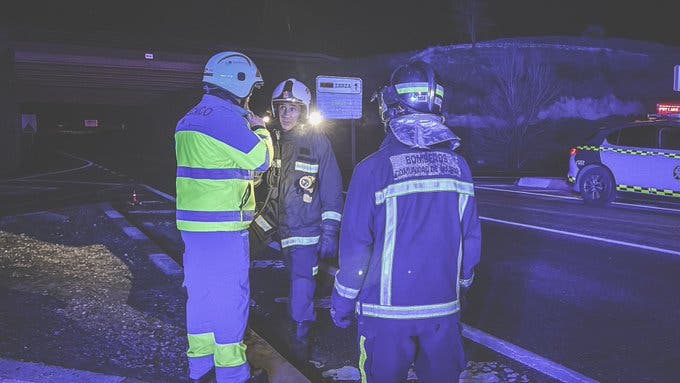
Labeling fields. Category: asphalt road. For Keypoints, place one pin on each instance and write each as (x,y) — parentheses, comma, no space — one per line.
(594,289)
(566,288)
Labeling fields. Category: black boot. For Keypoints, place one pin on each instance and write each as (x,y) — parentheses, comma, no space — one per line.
(209,377)
(302,330)
(258,376)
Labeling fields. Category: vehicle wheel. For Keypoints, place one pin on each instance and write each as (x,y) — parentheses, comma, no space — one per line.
(597,186)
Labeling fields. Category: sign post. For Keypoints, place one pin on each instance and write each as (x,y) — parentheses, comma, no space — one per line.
(354,144)
(29,128)
(29,123)
(340,98)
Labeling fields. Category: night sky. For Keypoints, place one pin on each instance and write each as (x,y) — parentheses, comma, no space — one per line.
(345,28)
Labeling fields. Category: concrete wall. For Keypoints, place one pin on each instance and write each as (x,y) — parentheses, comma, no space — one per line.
(10,134)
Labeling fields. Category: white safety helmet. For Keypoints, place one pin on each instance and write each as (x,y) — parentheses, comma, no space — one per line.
(233,72)
(294,91)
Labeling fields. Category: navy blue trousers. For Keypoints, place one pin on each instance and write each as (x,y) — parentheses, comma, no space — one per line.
(388,348)
(302,262)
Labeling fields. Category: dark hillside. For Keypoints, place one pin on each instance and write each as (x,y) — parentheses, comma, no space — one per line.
(520,104)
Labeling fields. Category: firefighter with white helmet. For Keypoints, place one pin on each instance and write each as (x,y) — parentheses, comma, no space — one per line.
(219,143)
(307,206)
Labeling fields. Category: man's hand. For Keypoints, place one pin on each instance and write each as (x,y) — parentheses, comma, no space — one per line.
(255,120)
(342,310)
(341,320)
(328,243)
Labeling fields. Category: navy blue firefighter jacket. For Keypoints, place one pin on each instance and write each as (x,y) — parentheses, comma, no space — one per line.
(410,237)
(308,188)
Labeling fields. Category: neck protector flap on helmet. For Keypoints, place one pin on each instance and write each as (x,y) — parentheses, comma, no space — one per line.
(422,130)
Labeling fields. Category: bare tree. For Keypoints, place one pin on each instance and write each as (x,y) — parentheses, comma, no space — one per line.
(524,85)
(471,18)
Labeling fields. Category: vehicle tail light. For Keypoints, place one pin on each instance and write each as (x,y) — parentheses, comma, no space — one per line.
(572,151)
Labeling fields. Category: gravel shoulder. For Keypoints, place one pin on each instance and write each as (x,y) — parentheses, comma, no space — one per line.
(76,292)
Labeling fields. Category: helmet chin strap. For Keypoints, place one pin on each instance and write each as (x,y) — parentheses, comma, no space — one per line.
(407,110)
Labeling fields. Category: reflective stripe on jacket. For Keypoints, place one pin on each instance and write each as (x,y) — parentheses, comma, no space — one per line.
(216,154)
(310,186)
(410,235)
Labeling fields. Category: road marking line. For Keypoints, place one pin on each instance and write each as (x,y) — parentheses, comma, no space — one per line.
(87,165)
(78,182)
(22,189)
(113,214)
(648,207)
(496,178)
(166,264)
(133,212)
(160,193)
(526,357)
(613,241)
(134,233)
(151,202)
(525,192)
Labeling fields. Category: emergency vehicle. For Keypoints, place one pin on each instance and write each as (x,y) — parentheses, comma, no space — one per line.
(638,157)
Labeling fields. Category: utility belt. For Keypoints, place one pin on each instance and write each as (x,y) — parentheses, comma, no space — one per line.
(265,223)
(264,228)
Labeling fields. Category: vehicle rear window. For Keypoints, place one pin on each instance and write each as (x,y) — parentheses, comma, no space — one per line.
(639,137)
(670,139)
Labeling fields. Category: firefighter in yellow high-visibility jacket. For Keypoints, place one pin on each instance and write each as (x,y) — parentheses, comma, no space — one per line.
(219,143)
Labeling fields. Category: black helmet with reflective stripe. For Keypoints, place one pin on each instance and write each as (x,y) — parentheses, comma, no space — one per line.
(413,88)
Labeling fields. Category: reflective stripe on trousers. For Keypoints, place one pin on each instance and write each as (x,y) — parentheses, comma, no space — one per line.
(218,293)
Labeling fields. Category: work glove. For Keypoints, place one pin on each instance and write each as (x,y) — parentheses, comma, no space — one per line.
(464,287)
(466,283)
(328,243)
(342,310)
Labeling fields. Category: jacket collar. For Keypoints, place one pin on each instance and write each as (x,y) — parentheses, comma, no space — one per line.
(214,100)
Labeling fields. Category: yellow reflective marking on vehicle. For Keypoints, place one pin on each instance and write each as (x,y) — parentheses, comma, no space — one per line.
(651,191)
(635,152)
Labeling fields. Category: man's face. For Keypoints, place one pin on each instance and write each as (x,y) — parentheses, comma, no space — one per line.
(289,115)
